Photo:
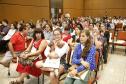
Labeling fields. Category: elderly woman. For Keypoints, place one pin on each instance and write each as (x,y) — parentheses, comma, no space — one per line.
(83,58)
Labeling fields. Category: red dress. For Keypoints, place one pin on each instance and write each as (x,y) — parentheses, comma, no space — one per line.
(32,70)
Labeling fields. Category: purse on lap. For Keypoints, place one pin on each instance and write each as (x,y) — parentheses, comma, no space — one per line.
(29,61)
(26,62)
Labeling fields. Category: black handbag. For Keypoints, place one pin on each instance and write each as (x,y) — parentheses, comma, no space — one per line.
(4,46)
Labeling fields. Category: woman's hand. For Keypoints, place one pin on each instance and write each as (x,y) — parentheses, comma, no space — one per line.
(84,63)
(14,55)
(25,56)
(73,72)
(22,55)
(53,55)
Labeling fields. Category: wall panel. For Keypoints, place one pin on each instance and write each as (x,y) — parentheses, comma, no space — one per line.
(24,9)
(74,7)
(105,7)
(35,9)
(26,2)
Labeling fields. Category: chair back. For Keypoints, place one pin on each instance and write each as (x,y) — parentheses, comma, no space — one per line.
(121,35)
(119,26)
(97,58)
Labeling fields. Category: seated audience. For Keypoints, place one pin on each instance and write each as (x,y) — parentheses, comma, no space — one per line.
(28,59)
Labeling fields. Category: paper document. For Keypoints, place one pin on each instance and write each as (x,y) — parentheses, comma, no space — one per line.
(53,63)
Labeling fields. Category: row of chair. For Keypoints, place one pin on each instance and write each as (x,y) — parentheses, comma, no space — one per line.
(117,38)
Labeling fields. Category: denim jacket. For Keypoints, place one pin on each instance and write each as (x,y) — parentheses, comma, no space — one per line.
(90,58)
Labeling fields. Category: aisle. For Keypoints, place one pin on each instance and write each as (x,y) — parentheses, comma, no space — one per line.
(115,71)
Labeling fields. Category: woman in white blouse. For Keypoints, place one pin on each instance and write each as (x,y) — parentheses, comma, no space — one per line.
(60,49)
(11,31)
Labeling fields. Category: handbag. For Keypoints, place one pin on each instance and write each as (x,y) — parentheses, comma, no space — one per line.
(28,61)
(25,62)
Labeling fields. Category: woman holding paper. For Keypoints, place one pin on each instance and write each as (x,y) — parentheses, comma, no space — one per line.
(60,49)
(83,58)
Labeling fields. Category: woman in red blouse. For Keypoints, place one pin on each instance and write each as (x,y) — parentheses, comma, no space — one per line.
(36,53)
(17,44)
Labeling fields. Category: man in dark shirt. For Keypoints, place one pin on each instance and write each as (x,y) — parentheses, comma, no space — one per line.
(5,28)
